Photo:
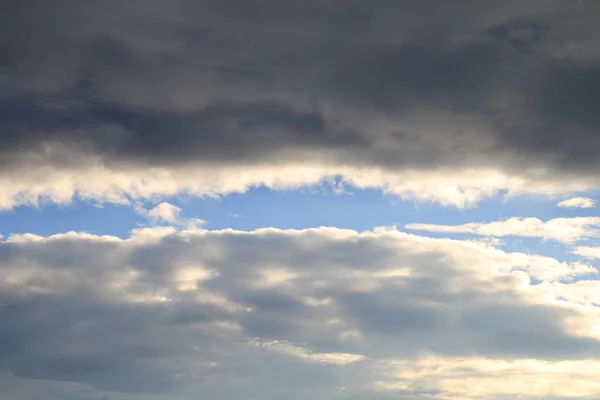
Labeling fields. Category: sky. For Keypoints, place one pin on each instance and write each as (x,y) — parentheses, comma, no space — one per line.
(345,200)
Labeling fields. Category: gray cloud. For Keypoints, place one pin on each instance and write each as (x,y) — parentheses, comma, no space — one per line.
(157,83)
(161,311)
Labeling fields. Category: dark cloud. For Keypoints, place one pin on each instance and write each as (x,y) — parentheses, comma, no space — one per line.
(401,79)
(119,133)
(523,36)
(158,83)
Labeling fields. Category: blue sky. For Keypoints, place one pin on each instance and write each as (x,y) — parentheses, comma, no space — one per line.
(310,207)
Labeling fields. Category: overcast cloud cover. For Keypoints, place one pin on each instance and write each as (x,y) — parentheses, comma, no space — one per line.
(440,103)
(153,91)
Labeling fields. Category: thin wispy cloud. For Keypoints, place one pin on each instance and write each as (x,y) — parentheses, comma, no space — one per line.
(577,202)
(565,230)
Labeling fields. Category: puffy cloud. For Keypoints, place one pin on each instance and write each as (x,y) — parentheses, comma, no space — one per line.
(565,230)
(127,184)
(164,212)
(224,313)
(577,202)
(389,87)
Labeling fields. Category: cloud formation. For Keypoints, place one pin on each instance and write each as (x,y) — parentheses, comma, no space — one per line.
(566,230)
(577,202)
(390,87)
(219,313)
(164,212)
(588,251)
(453,102)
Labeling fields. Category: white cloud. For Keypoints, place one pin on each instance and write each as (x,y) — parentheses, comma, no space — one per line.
(588,252)
(222,313)
(577,202)
(585,293)
(566,230)
(164,212)
(123,184)
(167,213)
(463,378)
(292,350)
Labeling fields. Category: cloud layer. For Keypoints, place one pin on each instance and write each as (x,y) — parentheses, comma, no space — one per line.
(453,102)
(393,87)
(220,313)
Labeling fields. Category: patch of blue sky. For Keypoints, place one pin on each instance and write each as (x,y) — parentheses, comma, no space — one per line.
(299,209)
(49,219)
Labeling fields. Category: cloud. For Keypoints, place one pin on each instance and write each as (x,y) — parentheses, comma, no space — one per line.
(193,312)
(566,230)
(474,378)
(128,185)
(164,212)
(451,102)
(577,202)
(302,354)
(588,252)
(395,88)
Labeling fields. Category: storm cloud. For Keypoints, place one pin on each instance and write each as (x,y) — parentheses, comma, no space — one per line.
(381,84)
